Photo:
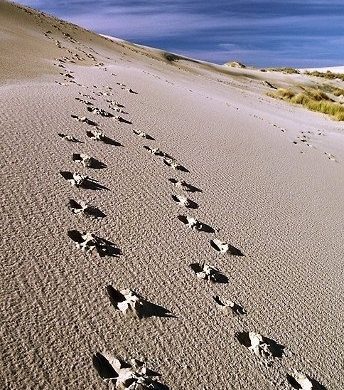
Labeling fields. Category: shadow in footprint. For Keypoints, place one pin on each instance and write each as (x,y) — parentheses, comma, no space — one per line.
(94,212)
(186,186)
(96,164)
(110,141)
(167,161)
(145,310)
(102,138)
(276,350)
(87,183)
(100,112)
(103,367)
(150,309)
(143,135)
(69,138)
(92,184)
(154,151)
(315,384)
(206,272)
(76,236)
(103,247)
(203,227)
(231,249)
(84,120)
(234,307)
(149,137)
(87,161)
(107,248)
(123,120)
(116,372)
(188,203)
(90,211)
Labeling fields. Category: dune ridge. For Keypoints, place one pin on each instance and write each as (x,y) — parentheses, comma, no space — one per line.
(166,210)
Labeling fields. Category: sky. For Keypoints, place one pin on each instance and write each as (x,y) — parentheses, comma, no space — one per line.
(296,33)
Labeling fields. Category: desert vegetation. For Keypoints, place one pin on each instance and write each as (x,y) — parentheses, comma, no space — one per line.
(327,75)
(314,99)
(285,70)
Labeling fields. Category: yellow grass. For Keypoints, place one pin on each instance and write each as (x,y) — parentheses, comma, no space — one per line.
(327,75)
(313,99)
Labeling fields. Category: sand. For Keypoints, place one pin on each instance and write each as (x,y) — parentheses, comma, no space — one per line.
(279,203)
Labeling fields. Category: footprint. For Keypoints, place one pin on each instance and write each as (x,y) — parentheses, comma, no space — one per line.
(155,151)
(87,242)
(227,305)
(100,111)
(115,103)
(125,300)
(184,201)
(59,83)
(86,209)
(123,120)
(126,375)
(68,75)
(87,96)
(194,224)
(298,380)
(174,165)
(330,156)
(84,120)
(87,161)
(82,181)
(76,179)
(142,134)
(263,347)
(184,186)
(224,247)
(208,272)
(69,138)
(104,368)
(128,301)
(97,135)
(117,109)
(84,101)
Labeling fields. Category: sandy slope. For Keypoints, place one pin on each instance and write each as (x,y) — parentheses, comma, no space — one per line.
(280,203)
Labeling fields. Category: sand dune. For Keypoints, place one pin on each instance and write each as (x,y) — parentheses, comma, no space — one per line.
(165,210)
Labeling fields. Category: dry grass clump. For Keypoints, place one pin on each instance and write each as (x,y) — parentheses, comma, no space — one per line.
(338,92)
(285,70)
(327,75)
(313,99)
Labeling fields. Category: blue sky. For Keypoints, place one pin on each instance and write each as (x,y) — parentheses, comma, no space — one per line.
(298,33)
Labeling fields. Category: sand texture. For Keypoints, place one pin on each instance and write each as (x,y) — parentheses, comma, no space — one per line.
(278,204)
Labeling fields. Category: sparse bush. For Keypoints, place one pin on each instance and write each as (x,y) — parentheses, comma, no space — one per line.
(285,70)
(284,93)
(327,75)
(338,92)
(171,57)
